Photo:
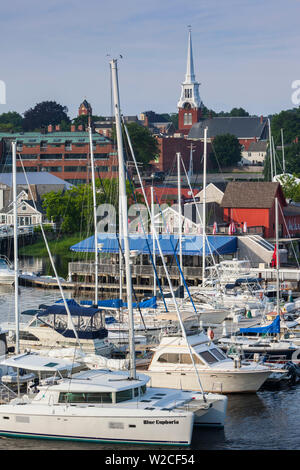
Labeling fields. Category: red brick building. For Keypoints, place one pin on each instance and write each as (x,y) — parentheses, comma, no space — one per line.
(169,146)
(64,154)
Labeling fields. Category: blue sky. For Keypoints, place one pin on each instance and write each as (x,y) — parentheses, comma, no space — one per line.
(246,53)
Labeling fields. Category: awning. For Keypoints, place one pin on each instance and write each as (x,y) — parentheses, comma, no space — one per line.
(191,244)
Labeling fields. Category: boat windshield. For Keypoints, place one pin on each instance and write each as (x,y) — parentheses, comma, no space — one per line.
(173,358)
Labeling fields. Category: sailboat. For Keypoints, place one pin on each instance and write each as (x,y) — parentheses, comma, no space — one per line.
(104,406)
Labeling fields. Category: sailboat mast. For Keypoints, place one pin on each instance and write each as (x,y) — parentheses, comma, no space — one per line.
(282,146)
(271,152)
(204,206)
(94,210)
(153,239)
(277,257)
(123,200)
(16,265)
(179,212)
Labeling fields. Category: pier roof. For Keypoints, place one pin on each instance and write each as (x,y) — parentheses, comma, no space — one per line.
(191,245)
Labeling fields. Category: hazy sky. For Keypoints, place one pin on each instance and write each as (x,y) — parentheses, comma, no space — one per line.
(246,53)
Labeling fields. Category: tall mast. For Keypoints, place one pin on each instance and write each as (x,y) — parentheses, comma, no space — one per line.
(16,264)
(94,210)
(179,213)
(277,257)
(123,200)
(191,169)
(271,152)
(282,146)
(204,206)
(153,240)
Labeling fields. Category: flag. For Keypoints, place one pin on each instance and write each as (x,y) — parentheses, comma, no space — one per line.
(231,228)
(215,228)
(274,258)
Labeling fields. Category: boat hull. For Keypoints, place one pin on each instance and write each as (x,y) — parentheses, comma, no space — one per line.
(61,423)
(212,381)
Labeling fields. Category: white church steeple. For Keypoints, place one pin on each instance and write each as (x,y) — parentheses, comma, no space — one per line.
(190,88)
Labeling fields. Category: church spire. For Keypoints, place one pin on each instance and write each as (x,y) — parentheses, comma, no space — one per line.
(190,74)
(189,104)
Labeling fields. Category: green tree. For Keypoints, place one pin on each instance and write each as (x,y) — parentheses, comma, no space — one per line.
(11,121)
(83,119)
(72,209)
(289,121)
(290,186)
(292,158)
(226,151)
(44,113)
(143,142)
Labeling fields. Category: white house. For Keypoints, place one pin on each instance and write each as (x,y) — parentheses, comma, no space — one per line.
(256,153)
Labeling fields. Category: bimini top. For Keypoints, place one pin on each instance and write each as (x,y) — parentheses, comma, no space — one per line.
(191,244)
(59,309)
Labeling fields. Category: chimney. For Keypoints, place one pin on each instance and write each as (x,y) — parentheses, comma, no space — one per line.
(57,127)
(50,128)
(73,128)
(261,119)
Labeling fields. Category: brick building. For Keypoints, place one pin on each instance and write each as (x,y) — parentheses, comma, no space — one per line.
(168,147)
(64,154)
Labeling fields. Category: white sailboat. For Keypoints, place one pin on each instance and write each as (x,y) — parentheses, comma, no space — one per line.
(105,406)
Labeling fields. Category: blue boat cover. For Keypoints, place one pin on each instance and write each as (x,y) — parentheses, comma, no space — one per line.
(273,328)
(75,309)
(191,244)
(117,303)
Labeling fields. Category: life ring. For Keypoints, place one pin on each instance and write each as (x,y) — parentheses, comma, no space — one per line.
(210,334)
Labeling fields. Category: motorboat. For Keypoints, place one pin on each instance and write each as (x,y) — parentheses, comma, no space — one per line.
(48,327)
(172,366)
(259,340)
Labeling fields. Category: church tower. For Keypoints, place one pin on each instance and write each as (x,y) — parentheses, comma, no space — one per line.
(189,105)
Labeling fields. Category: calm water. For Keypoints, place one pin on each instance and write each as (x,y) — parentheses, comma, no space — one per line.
(266,420)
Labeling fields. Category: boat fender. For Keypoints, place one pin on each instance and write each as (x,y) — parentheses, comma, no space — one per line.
(210,334)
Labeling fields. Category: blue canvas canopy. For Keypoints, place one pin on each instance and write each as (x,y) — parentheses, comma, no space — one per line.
(191,244)
(273,328)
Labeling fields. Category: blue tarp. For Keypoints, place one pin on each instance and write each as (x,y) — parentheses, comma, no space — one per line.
(117,303)
(191,244)
(273,328)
